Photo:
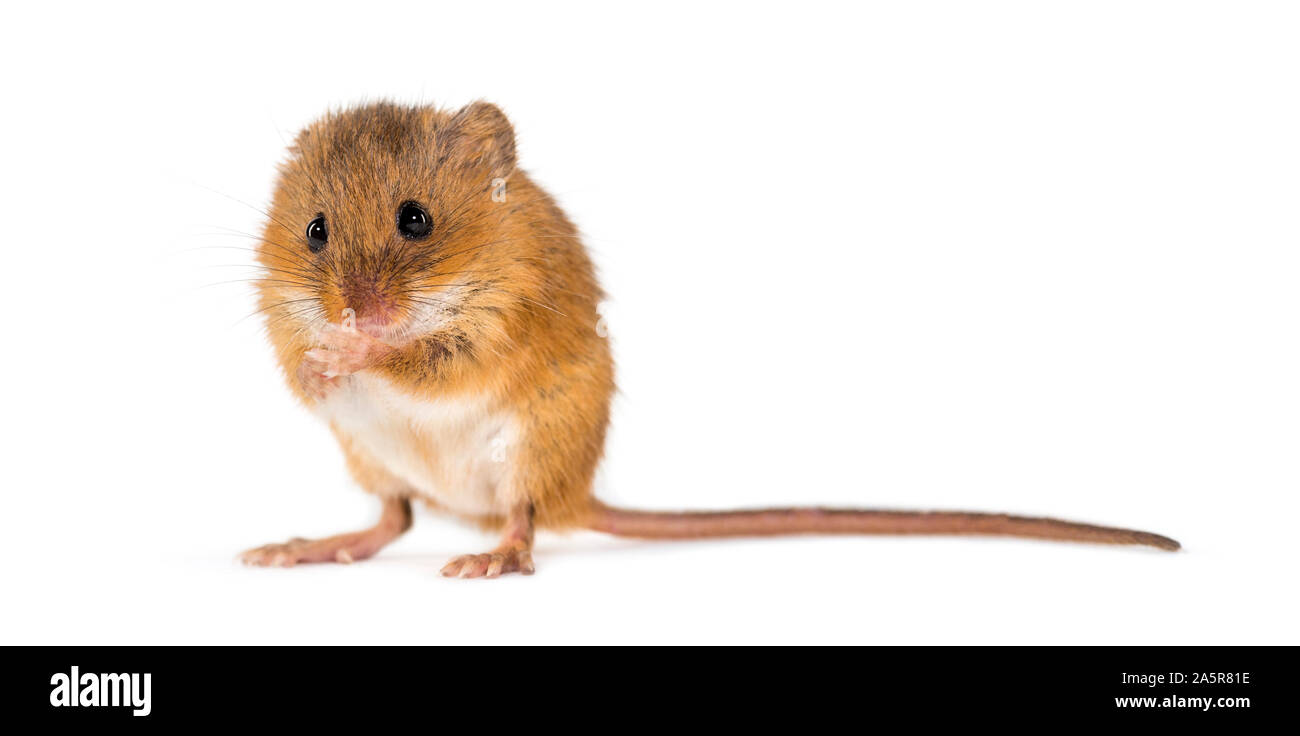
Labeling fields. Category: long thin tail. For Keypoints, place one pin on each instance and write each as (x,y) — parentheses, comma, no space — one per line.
(768,522)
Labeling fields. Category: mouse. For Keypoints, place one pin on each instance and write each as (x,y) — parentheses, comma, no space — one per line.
(438,311)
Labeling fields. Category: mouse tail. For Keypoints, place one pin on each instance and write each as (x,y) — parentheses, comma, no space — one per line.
(783,521)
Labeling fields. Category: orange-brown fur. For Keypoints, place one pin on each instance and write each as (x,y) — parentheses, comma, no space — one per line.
(525,328)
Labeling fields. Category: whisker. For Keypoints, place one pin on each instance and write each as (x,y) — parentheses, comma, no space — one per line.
(240,201)
(277,305)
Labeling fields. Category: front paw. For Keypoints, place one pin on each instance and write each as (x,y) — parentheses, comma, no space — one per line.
(342,352)
(345,351)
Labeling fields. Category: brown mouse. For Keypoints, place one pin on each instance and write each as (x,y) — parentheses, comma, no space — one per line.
(438,310)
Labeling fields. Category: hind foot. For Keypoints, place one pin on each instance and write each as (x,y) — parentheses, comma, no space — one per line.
(514,554)
(343,548)
(491,564)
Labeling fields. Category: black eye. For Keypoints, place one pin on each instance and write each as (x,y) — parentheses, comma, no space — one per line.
(317,234)
(413,222)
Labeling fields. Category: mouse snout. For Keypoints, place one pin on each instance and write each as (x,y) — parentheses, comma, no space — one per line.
(375,309)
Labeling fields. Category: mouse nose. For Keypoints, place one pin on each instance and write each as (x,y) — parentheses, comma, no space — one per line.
(374,308)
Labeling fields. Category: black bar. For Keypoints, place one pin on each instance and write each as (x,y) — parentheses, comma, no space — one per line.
(237,686)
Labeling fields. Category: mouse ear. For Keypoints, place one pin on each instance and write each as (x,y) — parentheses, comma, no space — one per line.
(480,135)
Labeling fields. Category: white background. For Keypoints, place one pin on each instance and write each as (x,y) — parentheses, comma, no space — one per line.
(1029,257)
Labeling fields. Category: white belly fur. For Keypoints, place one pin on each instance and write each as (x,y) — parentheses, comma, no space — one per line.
(455,450)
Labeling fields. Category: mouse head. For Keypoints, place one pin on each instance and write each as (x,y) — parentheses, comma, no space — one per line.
(395,212)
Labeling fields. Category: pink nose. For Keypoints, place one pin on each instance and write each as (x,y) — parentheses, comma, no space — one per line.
(374,309)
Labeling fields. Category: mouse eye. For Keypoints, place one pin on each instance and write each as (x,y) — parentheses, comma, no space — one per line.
(413,222)
(317,234)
